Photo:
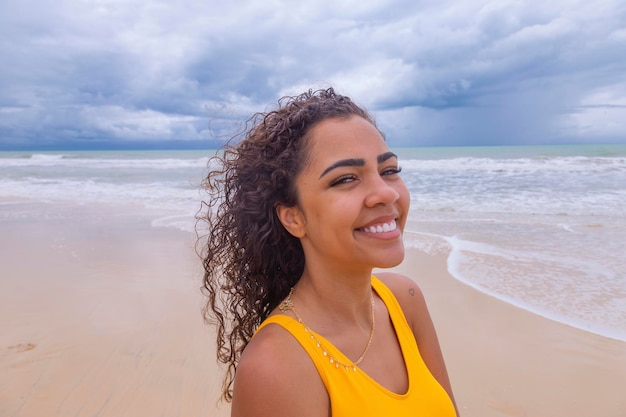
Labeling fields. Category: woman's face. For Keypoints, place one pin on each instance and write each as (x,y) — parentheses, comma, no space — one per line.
(352,202)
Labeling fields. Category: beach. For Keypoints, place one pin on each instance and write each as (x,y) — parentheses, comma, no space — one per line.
(101,316)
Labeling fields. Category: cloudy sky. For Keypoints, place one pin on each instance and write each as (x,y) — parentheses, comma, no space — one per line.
(127,73)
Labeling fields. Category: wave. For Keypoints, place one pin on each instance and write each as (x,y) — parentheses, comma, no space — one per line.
(182,222)
(72,161)
(175,195)
(567,289)
(576,164)
(501,166)
(47,157)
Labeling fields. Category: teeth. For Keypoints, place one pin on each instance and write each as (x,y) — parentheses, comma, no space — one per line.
(386,227)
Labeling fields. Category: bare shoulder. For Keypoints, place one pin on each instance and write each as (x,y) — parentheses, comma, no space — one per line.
(413,304)
(275,376)
(398,283)
(407,292)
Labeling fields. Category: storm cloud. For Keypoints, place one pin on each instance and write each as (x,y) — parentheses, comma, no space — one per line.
(111,73)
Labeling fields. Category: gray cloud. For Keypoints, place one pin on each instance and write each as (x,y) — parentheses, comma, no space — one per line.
(445,72)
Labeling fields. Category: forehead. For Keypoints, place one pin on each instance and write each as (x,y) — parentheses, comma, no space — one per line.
(339,138)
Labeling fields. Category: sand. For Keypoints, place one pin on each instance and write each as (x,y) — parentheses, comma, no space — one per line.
(100,316)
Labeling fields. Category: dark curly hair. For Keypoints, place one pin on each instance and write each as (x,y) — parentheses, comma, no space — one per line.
(250,260)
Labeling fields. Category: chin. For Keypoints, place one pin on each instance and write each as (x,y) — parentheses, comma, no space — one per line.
(391,261)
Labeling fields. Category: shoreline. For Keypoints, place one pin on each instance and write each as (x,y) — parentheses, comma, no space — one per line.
(104,319)
(547,279)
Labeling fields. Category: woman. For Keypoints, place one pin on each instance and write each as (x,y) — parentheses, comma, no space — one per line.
(300,212)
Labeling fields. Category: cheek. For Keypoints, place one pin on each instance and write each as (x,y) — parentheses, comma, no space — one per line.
(403,191)
(404,199)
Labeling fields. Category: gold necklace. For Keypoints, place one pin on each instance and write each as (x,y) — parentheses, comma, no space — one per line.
(287,304)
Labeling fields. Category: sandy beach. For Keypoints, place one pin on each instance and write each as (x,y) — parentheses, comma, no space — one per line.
(101,317)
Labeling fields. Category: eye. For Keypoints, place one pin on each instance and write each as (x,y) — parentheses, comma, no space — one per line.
(344,179)
(391,171)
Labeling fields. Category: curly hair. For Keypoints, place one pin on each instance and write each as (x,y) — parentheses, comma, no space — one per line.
(250,260)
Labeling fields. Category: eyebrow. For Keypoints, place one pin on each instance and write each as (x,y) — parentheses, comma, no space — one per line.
(357,162)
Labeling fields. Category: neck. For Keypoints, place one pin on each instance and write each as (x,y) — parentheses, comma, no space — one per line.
(341,298)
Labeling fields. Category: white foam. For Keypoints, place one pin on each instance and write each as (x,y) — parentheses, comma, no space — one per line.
(558,185)
(565,227)
(183,222)
(573,291)
(47,157)
(100,162)
(170,195)
(576,164)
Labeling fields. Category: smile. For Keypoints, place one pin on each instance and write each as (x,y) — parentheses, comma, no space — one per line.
(381,228)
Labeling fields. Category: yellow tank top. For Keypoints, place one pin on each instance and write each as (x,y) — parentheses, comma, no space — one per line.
(354,393)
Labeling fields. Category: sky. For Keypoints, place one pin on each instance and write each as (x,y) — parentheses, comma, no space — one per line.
(90,74)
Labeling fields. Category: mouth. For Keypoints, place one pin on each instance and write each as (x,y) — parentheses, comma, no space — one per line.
(381,227)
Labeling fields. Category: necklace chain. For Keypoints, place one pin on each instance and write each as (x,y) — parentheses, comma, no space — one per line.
(287,304)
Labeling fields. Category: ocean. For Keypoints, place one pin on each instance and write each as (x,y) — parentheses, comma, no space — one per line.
(540,227)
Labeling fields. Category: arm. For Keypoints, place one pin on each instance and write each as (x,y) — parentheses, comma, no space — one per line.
(414,306)
(275,376)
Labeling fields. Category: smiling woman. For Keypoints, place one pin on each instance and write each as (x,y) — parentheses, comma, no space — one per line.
(299,214)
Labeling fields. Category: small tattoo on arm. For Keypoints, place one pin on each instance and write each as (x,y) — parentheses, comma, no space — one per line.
(411,291)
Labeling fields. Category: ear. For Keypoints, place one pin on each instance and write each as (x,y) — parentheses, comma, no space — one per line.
(292,219)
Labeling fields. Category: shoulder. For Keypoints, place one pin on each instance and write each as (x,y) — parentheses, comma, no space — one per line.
(414,307)
(399,284)
(408,294)
(276,376)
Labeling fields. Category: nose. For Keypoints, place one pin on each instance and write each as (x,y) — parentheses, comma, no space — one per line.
(381,191)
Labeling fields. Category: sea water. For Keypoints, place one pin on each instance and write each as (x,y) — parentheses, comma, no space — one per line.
(540,227)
